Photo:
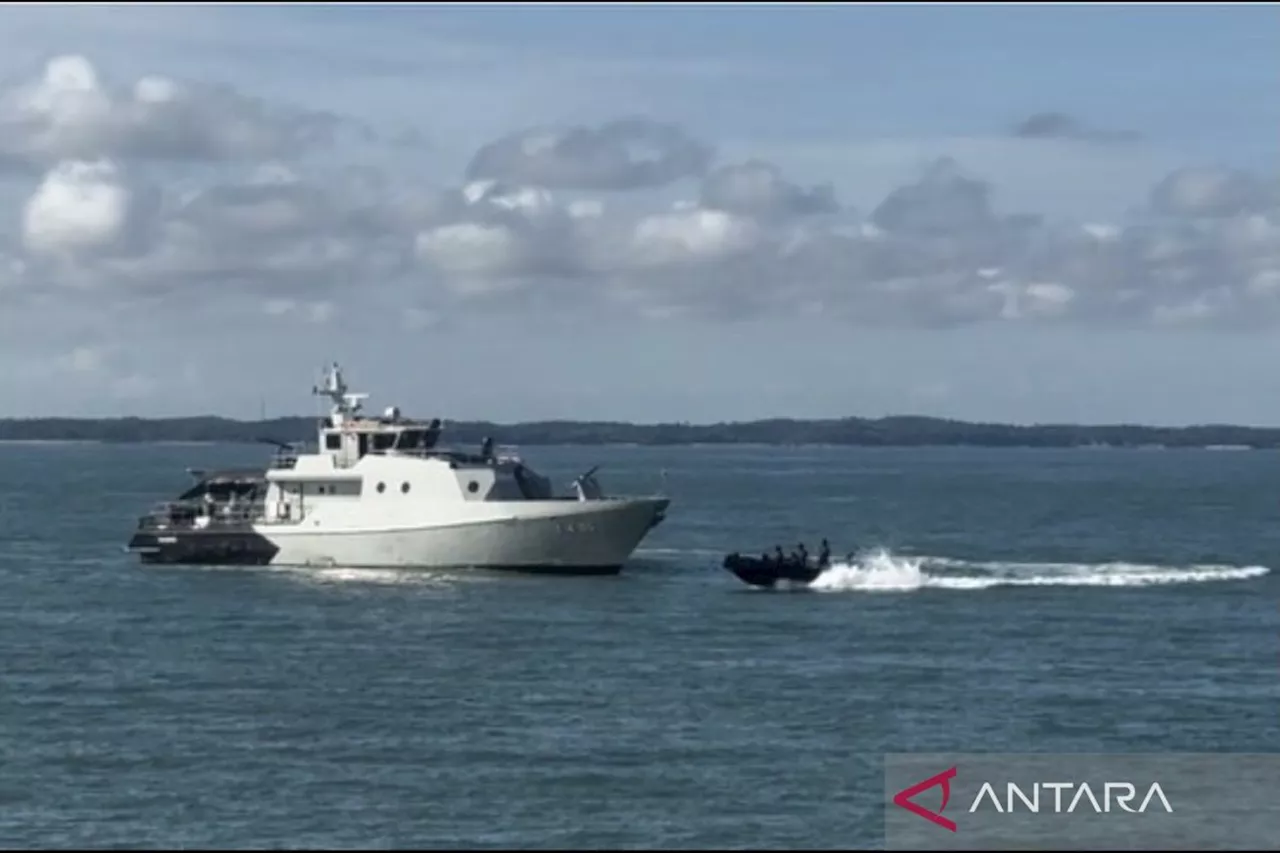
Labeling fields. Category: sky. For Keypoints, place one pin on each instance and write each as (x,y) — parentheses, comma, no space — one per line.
(654,213)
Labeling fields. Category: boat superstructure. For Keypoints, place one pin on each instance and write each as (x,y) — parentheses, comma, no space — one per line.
(380,491)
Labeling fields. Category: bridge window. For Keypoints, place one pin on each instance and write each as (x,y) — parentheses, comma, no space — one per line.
(383,440)
(332,441)
(411,439)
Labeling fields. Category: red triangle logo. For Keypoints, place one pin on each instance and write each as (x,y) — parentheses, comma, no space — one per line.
(903,799)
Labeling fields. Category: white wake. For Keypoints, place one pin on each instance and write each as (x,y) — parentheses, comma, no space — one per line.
(880,571)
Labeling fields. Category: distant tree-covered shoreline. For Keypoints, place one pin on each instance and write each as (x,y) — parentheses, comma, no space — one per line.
(900,431)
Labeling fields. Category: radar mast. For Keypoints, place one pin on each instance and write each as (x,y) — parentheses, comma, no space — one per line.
(345,404)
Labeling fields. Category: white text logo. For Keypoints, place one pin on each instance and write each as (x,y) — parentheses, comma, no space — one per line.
(1119,794)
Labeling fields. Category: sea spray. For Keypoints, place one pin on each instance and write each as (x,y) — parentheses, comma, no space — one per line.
(881,571)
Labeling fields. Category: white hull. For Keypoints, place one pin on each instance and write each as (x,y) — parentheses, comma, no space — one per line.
(562,535)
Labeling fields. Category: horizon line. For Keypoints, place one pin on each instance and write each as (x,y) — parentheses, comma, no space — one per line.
(680,423)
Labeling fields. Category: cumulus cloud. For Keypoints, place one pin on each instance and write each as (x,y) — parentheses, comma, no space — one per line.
(84,207)
(1213,191)
(691,235)
(539,218)
(935,252)
(619,155)
(757,188)
(943,201)
(1054,125)
(494,236)
(71,112)
(272,234)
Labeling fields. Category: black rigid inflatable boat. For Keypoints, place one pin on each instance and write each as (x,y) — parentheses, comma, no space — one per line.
(766,571)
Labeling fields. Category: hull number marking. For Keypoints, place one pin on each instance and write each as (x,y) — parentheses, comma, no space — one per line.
(576,526)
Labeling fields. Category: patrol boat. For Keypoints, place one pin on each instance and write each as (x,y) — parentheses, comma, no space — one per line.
(381,492)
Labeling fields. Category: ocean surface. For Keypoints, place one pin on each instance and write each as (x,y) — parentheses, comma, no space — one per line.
(998,601)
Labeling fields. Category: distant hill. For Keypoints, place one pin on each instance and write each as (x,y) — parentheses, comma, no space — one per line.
(901,431)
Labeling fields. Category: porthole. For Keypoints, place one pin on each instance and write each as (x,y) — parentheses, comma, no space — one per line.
(404,488)
(382,487)
(473,487)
